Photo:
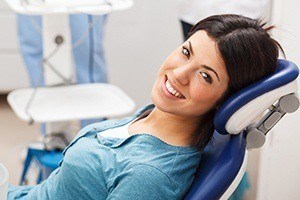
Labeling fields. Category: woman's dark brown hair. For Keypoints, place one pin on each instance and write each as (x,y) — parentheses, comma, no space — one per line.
(249,54)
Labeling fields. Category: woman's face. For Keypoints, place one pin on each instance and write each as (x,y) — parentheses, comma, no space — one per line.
(192,78)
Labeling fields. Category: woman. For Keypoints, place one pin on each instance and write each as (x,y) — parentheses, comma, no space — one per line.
(154,154)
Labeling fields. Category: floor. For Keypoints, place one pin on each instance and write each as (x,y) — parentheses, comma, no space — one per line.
(14,136)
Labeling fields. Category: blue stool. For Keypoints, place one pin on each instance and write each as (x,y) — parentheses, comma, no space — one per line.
(47,161)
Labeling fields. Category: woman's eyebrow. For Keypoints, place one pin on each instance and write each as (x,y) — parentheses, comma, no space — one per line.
(205,66)
(191,48)
(209,68)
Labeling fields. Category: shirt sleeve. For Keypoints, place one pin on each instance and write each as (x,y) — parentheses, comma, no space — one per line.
(142,182)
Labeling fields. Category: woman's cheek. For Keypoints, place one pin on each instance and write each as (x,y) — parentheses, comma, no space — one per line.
(207,96)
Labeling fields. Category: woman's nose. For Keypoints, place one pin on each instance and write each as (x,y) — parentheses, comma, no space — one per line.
(182,74)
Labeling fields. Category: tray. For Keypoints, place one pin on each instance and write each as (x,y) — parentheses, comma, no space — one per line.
(75,102)
(40,7)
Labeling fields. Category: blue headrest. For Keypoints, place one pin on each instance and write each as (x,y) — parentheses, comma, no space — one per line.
(285,73)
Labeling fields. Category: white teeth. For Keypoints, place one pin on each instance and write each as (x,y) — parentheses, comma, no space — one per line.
(168,85)
(172,90)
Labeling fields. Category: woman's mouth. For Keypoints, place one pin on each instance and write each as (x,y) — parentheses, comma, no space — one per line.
(171,91)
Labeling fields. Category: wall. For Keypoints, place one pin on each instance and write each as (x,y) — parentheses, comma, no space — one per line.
(137,41)
(279,176)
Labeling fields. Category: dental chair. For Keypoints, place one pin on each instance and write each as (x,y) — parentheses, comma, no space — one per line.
(241,124)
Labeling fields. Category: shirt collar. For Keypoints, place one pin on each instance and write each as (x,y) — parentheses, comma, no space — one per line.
(118,142)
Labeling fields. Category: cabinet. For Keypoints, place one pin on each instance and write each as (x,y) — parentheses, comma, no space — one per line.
(13,74)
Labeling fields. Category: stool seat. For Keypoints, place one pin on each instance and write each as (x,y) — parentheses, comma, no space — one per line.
(51,159)
(46,160)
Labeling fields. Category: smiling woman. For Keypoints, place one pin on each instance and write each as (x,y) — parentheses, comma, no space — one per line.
(222,54)
(195,71)
(155,153)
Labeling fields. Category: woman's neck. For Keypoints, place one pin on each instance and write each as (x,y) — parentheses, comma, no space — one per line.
(173,129)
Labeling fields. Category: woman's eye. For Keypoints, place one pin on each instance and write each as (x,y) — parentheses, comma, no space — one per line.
(185,52)
(206,77)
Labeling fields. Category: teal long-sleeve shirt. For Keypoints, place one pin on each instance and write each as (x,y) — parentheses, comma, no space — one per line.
(95,167)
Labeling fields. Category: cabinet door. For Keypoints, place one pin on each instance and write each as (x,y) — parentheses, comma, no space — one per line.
(3,5)
(12,71)
(8,33)
(13,74)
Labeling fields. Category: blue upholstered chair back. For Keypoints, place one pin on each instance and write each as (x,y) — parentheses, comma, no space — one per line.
(224,155)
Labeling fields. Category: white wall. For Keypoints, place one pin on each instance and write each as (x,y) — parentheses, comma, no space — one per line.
(286,17)
(279,175)
(136,43)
